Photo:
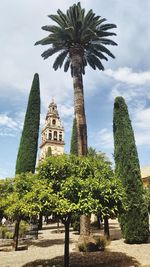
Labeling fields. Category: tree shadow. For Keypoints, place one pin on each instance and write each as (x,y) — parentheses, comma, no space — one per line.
(89,259)
(61,231)
(52,227)
(46,242)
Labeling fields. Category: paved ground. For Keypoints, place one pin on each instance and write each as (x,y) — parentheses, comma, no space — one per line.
(51,244)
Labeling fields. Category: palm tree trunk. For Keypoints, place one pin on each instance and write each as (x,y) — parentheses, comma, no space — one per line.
(79,110)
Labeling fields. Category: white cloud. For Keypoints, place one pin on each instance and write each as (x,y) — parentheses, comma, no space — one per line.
(106,138)
(126,75)
(103,139)
(141,124)
(142,119)
(7,122)
(9,126)
(65,111)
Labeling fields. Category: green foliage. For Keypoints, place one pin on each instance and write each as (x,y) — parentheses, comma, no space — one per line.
(101,156)
(78,33)
(6,187)
(27,152)
(147,197)
(83,185)
(134,221)
(74,139)
(3,231)
(24,226)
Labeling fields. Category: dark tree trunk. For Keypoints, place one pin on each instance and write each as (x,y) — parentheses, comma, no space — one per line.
(99,221)
(58,226)
(66,248)
(106,227)
(16,234)
(40,223)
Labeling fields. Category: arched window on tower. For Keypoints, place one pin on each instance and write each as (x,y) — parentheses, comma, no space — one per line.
(53,121)
(55,135)
(60,136)
(50,135)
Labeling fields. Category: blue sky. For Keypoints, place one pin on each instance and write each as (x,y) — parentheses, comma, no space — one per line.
(128,75)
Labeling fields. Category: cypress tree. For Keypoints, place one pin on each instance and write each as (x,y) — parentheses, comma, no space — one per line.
(27,152)
(74,139)
(134,221)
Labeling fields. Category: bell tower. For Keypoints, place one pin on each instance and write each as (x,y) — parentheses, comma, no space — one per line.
(52,133)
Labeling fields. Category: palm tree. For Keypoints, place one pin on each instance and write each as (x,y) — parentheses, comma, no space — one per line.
(80,40)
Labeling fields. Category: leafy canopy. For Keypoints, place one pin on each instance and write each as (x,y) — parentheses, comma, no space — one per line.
(77,32)
(82,184)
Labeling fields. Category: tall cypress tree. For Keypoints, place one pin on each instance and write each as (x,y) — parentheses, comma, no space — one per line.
(74,139)
(27,152)
(134,221)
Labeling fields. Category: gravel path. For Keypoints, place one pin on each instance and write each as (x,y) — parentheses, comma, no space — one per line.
(51,244)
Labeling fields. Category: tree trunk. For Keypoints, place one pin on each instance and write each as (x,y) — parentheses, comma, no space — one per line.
(76,55)
(40,223)
(66,248)
(106,227)
(79,110)
(84,225)
(16,234)
(58,226)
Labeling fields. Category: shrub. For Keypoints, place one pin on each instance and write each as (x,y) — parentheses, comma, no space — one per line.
(101,242)
(95,244)
(9,235)
(23,228)
(5,233)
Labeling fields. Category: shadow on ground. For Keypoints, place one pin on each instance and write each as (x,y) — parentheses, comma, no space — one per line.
(92,259)
(46,242)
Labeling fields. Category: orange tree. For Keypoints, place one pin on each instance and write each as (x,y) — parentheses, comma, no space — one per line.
(81,185)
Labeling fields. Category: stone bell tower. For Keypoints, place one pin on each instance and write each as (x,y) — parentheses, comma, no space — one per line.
(52,133)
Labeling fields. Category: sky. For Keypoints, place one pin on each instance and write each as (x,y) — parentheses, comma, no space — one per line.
(127,75)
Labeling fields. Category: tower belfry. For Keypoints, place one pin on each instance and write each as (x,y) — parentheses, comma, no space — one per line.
(52,133)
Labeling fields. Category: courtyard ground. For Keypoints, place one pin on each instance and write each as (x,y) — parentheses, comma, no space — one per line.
(47,251)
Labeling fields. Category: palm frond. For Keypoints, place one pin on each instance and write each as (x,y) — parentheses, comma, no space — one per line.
(59,60)
(45,41)
(107,41)
(64,18)
(49,52)
(103,49)
(58,20)
(92,49)
(88,18)
(50,28)
(104,34)
(67,64)
(107,26)
(97,62)
(91,62)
